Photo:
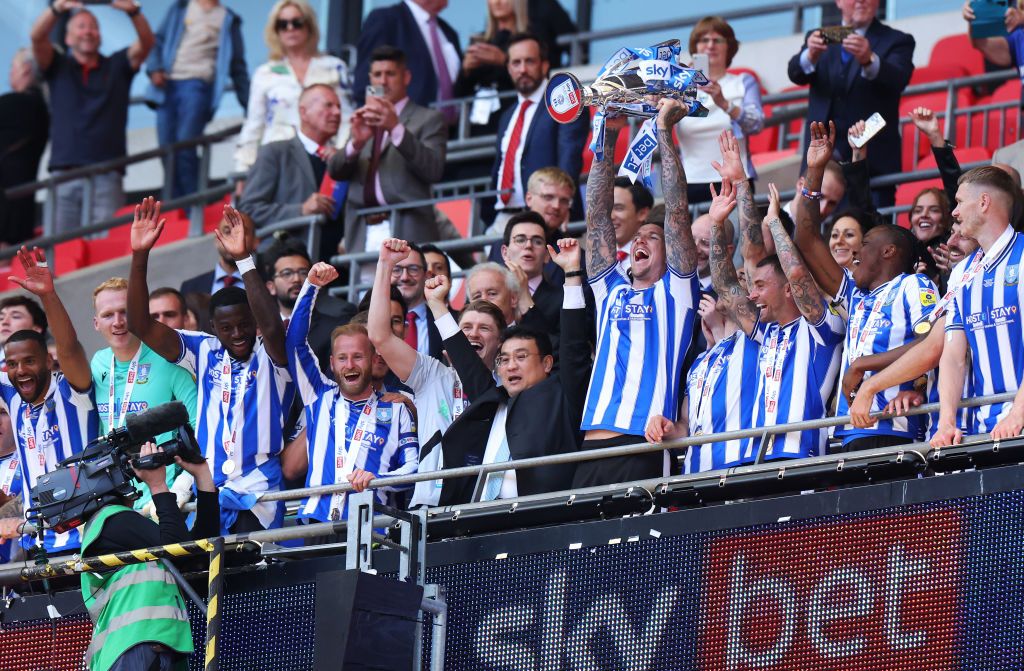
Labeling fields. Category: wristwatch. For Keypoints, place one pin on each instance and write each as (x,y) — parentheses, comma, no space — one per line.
(134,11)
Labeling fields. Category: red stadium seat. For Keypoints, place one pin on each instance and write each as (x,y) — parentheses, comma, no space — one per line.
(176,227)
(957,50)
(458,211)
(795,127)
(766,157)
(116,244)
(213,213)
(69,256)
(620,148)
(757,77)
(964,155)
(991,130)
(939,72)
(933,101)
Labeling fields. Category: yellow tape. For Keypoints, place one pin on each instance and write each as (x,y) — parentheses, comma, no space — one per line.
(110,560)
(214,567)
(211,608)
(176,550)
(142,555)
(211,647)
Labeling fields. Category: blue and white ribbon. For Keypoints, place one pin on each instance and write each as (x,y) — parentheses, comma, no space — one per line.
(597,135)
(640,155)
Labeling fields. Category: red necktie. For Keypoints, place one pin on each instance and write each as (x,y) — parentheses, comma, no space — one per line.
(327,183)
(621,256)
(370,182)
(508,173)
(411,335)
(229,280)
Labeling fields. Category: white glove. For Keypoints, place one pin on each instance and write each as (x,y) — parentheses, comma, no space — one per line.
(182,488)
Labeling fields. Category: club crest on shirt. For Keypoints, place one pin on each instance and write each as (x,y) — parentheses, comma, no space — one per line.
(1012,275)
(384,414)
(143,375)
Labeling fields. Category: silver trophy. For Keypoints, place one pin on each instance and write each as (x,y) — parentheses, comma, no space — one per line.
(625,83)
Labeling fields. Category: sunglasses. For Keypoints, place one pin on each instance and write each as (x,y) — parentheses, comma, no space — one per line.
(289,24)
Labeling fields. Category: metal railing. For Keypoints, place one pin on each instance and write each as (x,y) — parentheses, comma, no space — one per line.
(579,42)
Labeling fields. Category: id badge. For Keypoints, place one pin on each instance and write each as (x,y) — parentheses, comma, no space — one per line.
(485,103)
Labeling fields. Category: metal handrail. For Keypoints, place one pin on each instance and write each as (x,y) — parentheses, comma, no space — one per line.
(482,470)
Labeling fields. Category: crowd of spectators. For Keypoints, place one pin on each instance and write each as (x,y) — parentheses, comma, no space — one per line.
(646,328)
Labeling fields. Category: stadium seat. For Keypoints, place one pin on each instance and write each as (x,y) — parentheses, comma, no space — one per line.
(458,211)
(620,148)
(213,213)
(964,155)
(69,256)
(933,101)
(757,77)
(176,227)
(939,72)
(957,50)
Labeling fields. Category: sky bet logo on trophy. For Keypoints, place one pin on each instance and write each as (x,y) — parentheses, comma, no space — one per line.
(624,86)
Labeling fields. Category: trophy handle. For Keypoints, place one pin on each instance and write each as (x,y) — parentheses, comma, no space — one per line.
(565,97)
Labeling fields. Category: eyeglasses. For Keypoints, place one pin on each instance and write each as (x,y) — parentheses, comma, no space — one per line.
(411,270)
(711,40)
(522,240)
(519,357)
(289,24)
(289,273)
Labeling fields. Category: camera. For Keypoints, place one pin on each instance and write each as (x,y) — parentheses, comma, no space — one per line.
(102,473)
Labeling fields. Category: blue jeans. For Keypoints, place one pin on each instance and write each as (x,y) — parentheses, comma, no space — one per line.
(143,657)
(183,116)
(107,198)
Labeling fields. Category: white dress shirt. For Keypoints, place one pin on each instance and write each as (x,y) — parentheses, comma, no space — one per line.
(518,198)
(451,54)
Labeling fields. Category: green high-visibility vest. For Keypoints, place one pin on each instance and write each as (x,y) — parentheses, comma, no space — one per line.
(135,604)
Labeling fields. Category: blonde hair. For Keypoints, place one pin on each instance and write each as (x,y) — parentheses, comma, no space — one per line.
(522,20)
(275,51)
(550,175)
(113,284)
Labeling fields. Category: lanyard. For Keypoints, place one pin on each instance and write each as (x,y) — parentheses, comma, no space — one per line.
(30,431)
(113,420)
(229,427)
(867,328)
(965,279)
(707,377)
(458,399)
(9,471)
(773,376)
(346,451)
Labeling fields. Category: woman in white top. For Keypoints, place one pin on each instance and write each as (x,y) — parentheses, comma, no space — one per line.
(733,101)
(292,36)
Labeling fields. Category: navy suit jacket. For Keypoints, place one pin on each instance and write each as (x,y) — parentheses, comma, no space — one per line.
(547,143)
(395,25)
(839,92)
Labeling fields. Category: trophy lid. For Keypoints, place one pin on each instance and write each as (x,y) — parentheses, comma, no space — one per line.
(564,97)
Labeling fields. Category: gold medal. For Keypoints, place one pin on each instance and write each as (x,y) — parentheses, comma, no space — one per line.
(923,328)
(228,467)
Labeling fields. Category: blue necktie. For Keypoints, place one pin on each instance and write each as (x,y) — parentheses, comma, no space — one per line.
(845,55)
(492,489)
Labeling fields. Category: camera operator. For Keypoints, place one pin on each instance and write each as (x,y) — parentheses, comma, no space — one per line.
(138,615)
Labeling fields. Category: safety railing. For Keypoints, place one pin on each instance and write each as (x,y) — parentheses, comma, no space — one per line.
(579,42)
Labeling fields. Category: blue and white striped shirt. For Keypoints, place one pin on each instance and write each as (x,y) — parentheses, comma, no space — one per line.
(906,301)
(267,392)
(391,448)
(642,338)
(10,470)
(730,367)
(809,363)
(988,309)
(62,425)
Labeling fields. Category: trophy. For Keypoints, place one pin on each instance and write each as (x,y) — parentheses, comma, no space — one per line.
(623,87)
(624,83)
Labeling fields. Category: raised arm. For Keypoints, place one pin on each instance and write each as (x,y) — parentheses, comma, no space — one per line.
(680,249)
(476,377)
(806,294)
(399,355)
(140,48)
(752,242)
(574,353)
(264,308)
(70,353)
(42,49)
(146,229)
(726,283)
(302,362)
(995,49)
(827,273)
(601,247)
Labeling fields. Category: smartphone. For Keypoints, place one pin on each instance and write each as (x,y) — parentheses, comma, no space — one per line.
(477,38)
(874,124)
(374,91)
(835,34)
(700,62)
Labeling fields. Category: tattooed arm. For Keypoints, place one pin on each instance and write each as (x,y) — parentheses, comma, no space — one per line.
(752,242)
(601,247)
(827,273)
(806,294)
(731,296)
(680,250)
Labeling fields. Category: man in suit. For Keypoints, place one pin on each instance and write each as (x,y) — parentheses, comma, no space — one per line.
(395,154)
(225,273)
(524,251)
(289,178)
(850,81)
(528,138)
(533,412)
(431,45)
(285,266)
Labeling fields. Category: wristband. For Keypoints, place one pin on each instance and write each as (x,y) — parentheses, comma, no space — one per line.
(55,11)
(245,265)
(810,195)
(134,11)
(730,108)
(574,273)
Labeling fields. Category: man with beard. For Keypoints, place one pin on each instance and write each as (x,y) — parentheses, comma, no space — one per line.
(54,415)
(285,267)
(244,386)
(353,433)
(528,139)
(887,303)
(645,323)
(441,396)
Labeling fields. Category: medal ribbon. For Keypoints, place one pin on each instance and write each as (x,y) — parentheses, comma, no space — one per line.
(773,377)
(346,450)
(229,427)
(30,431)
(9,471)
(113,420)
(707,377)
(869,327)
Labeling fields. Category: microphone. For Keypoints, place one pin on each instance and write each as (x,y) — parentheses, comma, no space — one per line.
(159,419)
